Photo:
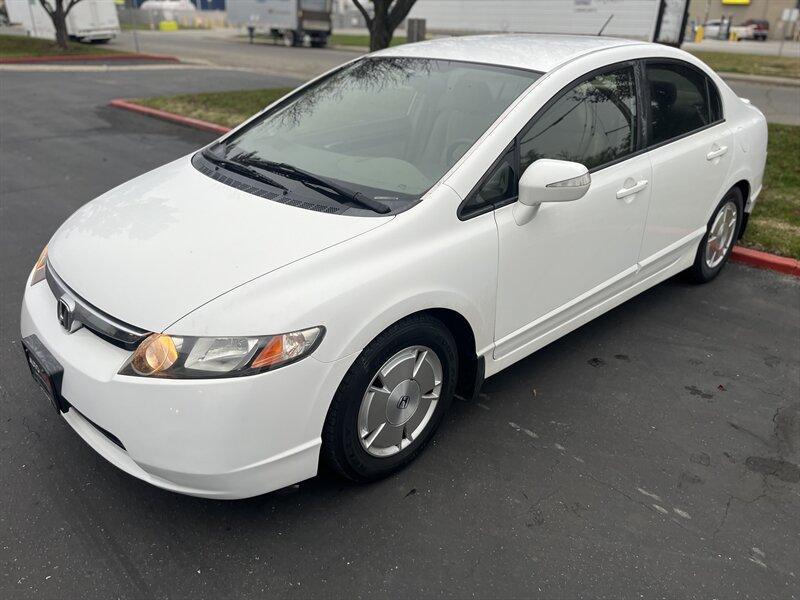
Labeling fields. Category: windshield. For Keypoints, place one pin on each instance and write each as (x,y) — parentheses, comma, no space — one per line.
(387,127)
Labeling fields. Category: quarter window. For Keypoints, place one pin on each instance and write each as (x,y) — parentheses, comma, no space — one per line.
(678,100)
(594,123)
(499,185)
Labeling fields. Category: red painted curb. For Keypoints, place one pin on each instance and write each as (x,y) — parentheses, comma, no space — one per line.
(764,260)
(168,116)
(83,57)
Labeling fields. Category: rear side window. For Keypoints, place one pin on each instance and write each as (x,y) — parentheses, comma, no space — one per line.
(593,123)
(679,101)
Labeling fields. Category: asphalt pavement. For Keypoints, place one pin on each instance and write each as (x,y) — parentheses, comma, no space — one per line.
(654,452)
(228,48)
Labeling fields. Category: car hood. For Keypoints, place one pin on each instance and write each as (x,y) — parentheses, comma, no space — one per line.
(155,248)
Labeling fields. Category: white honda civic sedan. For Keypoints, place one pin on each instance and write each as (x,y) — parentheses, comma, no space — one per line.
(316,286)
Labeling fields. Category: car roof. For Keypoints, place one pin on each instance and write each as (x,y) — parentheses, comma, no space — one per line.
(536,52)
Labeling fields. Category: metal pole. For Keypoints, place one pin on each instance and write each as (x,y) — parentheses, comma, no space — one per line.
(133,28)
(33,21)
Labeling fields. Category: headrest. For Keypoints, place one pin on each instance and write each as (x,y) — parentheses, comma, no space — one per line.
(664,93)
(469,95)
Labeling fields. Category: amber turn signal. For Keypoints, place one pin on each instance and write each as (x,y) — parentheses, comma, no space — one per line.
(39,268)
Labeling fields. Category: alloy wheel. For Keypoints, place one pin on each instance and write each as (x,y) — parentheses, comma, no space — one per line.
(721,234)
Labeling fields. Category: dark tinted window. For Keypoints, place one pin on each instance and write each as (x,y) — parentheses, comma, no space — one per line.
(678,100)
(593,123)
(500,184)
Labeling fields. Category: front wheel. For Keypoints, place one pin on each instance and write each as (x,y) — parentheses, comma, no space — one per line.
(717,243)
(391,400)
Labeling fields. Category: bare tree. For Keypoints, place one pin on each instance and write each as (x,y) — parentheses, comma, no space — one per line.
(388,14)
(58,14)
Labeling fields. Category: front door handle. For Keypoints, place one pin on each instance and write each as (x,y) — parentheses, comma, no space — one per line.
(719,151)
(629,191)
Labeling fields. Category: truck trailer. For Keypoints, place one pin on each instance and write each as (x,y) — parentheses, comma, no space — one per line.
(88,21)
(293,21)
(661,21)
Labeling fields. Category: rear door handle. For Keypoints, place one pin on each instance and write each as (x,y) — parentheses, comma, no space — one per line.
(628,191)
(721,150)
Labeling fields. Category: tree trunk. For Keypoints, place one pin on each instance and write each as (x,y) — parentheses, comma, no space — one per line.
(380,32)
(58,15)
(60,23)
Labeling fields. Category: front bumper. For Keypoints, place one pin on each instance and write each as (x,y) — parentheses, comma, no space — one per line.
(218,438)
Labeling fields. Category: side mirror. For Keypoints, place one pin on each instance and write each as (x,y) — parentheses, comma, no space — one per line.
(548,180)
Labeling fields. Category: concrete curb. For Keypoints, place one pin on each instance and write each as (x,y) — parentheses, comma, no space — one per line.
(753,258)
(11,60)
(345,48)
(765,79)
(168,116)
(764,260)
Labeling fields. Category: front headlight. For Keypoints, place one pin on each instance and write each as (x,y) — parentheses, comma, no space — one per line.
(176,357)
(39,268)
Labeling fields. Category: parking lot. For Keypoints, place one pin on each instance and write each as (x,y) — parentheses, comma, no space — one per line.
(653,452)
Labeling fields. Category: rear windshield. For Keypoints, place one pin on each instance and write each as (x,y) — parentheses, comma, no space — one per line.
(386,127)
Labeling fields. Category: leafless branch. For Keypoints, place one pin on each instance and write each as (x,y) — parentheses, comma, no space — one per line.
(399,11)
(364,12)
(70,5)
(46,6)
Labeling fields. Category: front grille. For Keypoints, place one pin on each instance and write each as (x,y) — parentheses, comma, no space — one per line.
(112,330)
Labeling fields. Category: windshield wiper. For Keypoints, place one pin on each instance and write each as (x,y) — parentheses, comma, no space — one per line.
(234,164)
(309,179)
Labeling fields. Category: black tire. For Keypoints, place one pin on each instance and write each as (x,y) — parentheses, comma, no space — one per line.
(342,450)
(291,39)
(700,271)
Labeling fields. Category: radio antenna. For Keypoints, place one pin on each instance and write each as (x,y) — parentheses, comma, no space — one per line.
(603,28)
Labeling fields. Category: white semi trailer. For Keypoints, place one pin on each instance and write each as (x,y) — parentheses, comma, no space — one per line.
(651,20)
(293,21)
(88,21)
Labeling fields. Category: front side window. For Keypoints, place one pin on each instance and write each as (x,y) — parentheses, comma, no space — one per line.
(678,100)
(593,123)
(388,128)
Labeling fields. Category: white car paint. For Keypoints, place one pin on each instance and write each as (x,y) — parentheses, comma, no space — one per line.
(258,267)
(175,213)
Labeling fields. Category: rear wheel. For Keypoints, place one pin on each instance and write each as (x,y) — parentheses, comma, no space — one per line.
(391,400)
(290,38)
(721,234)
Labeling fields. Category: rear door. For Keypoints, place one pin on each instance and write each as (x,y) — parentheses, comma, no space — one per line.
(691,150)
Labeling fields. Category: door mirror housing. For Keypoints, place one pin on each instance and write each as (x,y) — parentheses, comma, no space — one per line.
(549,180)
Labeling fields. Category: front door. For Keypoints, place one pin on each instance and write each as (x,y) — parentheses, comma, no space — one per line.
(573,255)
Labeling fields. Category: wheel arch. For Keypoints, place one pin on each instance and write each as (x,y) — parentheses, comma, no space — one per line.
(744,187)
(470,365)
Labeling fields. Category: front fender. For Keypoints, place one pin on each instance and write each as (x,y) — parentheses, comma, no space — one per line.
(424,258)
